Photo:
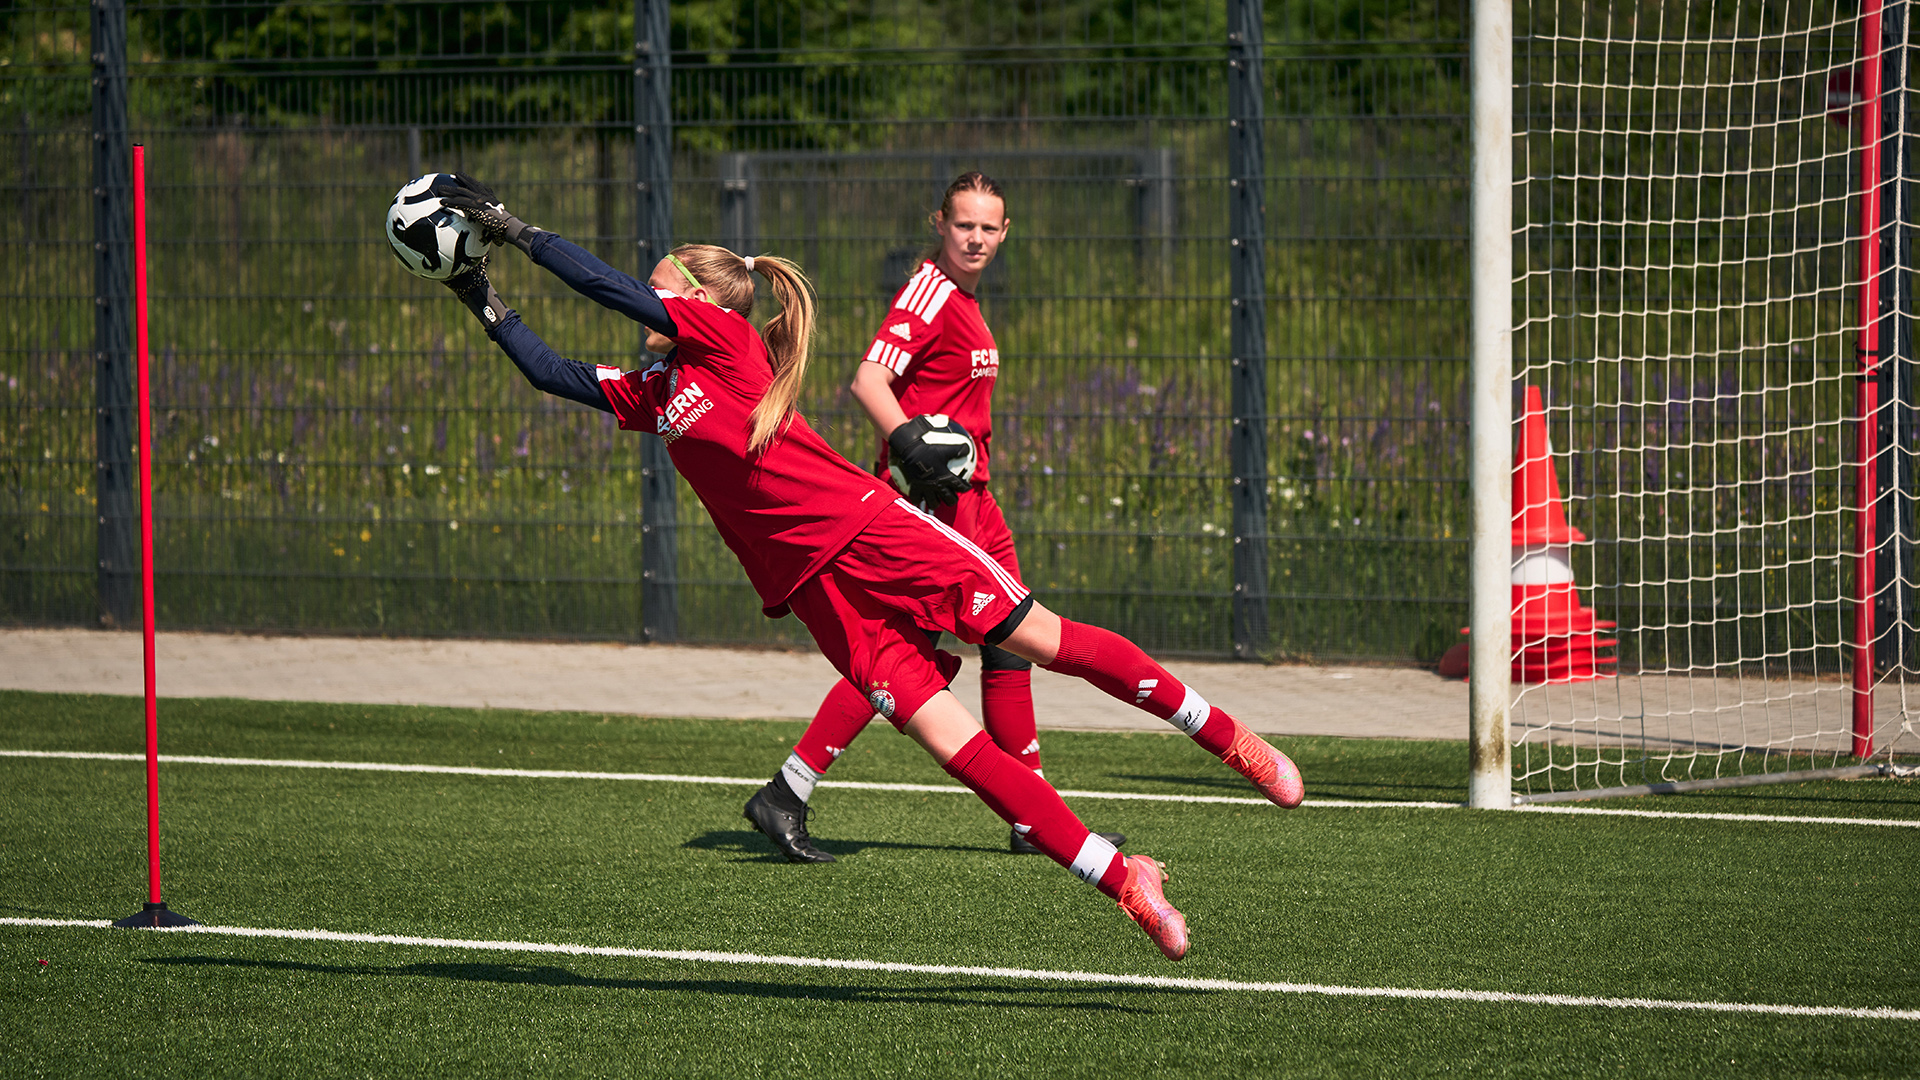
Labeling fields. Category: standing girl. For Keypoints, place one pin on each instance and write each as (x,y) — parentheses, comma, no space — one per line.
(862,568)
(931,356)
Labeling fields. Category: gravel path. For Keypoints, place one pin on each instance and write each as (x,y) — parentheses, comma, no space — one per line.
(665,680)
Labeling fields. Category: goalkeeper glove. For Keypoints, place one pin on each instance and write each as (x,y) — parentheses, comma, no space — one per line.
(483,209)
(920,454)
(475,291)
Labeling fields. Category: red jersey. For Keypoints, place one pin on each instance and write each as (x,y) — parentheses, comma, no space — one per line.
(786,508)
(942,356)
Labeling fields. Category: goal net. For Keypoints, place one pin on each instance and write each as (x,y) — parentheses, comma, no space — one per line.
(1692,304)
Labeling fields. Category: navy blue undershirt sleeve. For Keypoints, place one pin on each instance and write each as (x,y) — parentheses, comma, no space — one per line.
(548,370)
(587,275)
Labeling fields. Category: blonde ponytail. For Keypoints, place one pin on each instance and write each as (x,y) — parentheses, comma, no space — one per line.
(789,339)
(789,335)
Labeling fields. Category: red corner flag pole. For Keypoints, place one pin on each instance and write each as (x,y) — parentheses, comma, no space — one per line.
(155,912)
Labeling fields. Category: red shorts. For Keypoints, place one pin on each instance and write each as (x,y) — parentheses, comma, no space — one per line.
(977,517)
(905,570)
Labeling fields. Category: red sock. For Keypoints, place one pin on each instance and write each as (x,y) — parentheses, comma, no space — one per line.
(1216,734)
(1030,804)
(1119,668)
(1006,702)
(841,717)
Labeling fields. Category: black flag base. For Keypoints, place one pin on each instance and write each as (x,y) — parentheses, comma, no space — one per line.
(156,914)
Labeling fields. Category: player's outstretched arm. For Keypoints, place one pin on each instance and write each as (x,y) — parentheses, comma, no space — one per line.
(547,370)
(583,272)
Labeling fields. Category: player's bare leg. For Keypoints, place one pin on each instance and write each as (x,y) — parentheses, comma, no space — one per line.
(1119,667)
(949,733)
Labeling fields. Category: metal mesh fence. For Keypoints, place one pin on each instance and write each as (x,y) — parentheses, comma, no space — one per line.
(337,447)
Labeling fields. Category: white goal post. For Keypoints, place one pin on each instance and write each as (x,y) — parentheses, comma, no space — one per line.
(1703,263)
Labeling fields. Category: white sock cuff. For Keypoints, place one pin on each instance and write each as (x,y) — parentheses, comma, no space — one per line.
(1192,714)
(800,777)
(1094,858)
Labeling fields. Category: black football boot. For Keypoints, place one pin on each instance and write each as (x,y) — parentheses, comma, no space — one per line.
(1020,845)
(776,811)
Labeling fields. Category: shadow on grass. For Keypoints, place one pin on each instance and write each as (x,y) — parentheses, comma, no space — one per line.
(976,995)
(1359,791)
(757,848)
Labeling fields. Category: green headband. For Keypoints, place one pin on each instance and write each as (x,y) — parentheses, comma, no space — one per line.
(682,267)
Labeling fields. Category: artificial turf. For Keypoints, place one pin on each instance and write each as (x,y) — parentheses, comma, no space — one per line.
(1697,910)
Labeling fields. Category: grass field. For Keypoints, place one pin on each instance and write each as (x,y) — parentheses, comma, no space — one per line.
(1368,895)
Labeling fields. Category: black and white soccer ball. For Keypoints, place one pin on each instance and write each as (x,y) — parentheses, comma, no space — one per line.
(942,431)
(429,239)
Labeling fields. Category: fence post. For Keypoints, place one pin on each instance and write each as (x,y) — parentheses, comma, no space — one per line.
(1154,213)
(1490,412)
(653,233)
(1246,222)
(116,514)
(736,202)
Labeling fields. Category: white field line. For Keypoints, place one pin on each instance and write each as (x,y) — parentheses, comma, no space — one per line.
(1612,812)
(1153,982)
(658,778)
(937,789)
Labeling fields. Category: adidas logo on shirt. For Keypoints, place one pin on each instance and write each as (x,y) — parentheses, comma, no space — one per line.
(901,329)
(981,600)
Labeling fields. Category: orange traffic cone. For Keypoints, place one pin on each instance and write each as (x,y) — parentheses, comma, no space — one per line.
(1553,633)
(1554,637)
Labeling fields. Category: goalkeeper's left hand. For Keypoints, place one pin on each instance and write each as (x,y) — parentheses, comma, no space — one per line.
(475,291)
(921,455)
(480,206)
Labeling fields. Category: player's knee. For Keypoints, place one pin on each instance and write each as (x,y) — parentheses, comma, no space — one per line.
(994,658)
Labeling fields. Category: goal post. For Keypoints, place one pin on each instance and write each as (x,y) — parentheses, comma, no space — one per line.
(1490,381)
(1710,294)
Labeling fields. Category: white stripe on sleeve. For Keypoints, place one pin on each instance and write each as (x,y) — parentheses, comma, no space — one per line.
(915,289)
(931,309)
(891,357)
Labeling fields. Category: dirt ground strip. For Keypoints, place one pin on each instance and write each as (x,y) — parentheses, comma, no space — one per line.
(666,680)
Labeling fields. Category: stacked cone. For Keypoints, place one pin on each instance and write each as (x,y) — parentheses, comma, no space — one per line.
(1555,637)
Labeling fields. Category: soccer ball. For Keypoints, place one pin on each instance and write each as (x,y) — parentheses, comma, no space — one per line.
(430,240)
(942,431)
